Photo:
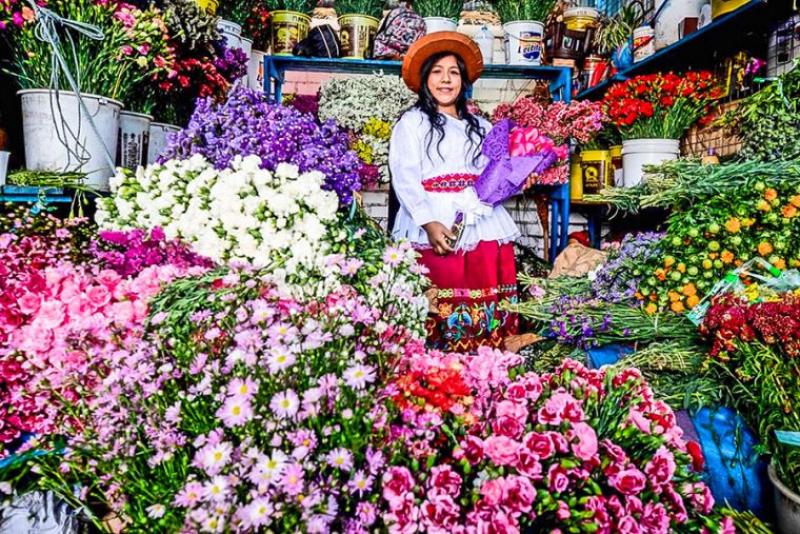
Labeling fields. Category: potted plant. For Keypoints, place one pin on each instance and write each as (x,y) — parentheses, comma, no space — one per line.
(652,112)
(290,24)
(439,15)
(523,27)
(67,131)
(615,37)
(358,21)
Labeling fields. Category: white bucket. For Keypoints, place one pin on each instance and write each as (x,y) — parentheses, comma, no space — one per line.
(670,18)
(485,41)
(49,122)
(226,28)
(134,133)
(4,166)
(524,42)
(439,24)
(255,70)
(787,505)
(639,152)
(158,139)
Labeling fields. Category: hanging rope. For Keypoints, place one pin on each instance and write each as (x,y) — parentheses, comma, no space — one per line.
(47,30)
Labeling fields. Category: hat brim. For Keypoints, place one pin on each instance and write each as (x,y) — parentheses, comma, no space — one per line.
(434,43)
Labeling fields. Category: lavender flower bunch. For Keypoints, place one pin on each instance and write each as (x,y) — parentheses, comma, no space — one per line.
(248,124)
(618,279)
(231,63)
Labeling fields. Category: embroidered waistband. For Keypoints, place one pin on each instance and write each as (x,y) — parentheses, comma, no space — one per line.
(448,183)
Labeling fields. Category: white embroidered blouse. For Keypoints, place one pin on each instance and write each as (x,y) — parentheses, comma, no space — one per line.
(411,165)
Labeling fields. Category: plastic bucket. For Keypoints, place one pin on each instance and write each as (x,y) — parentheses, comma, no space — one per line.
(158,139)
(581,19)
(722,7)
(287,29)
(255,70)
(595,170)
(208,5)
(357,34)
(4,166)
(440,24)
(787,505)
(229,29)
(639,152)
(524,42)
(670,18)
(134,133)
(52,120)
(575,178)
(616,164)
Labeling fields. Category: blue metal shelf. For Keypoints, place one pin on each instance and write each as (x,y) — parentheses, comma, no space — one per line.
(18,193)
(699,46)
(559,78)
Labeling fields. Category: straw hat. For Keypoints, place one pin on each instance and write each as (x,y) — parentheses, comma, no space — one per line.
(436,42)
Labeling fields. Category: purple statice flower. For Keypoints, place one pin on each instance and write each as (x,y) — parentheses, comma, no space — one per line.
(615,281)
(248,124)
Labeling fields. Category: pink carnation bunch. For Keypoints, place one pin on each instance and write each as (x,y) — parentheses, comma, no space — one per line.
(571,450)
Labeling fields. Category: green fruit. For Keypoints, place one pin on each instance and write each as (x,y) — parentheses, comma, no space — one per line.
(759,186)
(718,264)
(775,202)
(735,240)
(675,275)
(708,274)
(692,271)
(713,246)
(677,241)
(693,232)
(713,228)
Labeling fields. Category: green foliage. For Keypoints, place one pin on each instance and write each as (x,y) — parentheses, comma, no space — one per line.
(517,10)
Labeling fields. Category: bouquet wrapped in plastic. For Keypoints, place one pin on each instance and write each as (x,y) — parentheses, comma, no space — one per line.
(515,153)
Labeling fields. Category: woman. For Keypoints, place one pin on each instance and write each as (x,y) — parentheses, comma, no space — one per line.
(434,157)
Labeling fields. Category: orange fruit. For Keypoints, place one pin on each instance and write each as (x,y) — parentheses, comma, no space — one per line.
(677,307)
(770,194)
(692,301)
(651,308)
(733,225)
(765,248)
(789,211)
(689,290)
(795,200)
(727,256)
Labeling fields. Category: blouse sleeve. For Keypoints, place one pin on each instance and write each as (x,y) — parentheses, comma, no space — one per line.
(405,164)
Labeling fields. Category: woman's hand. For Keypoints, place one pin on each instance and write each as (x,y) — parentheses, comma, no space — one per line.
(439,236)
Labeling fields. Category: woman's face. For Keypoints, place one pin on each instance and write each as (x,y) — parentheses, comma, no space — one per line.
(444,81)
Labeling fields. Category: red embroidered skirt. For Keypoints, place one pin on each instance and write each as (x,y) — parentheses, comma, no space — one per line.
(470,287)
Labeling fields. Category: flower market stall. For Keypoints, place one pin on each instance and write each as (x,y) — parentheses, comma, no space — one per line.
(207,326)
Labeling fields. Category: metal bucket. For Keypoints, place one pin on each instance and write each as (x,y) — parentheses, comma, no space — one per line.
(357,34)
(287,29)
(158,139)
(132,142)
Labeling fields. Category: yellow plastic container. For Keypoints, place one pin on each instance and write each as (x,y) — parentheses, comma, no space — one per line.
(208,5)
(357,34)
(616,165)
(288,29)
(721,7)
(595,170)
(575,178)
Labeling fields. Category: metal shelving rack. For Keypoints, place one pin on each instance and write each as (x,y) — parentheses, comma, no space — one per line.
(559,78)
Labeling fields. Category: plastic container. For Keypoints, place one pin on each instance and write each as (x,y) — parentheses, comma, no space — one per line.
(440,24)
(255,70)
(581,18)
(287,28)
(524,42)
(52,120)
(787,505)
(639,152)
(208,5)
(670,18)
(158,139)
(229,29)
(357,34)
(595,170)
(485,41)
(4,166)
(575,178)
(132,142)
(643,43)
(722,7)
(616,164)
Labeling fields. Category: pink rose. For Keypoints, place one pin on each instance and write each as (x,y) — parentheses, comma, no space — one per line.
(501,450)
(655,519)
(439,512)
(557,407)
(519,494)
(557,479)
(661,467)
(539,444)
(492,491)
(528,464)
(633,505)
(397,481)
(98,296)
(444,478)
(516,392)
(628,481)
(586,447)
(628,525)
(533,384)
(29,303)
(559,441)
(508,426)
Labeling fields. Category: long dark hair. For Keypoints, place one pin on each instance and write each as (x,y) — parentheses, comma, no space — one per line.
(427,104)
